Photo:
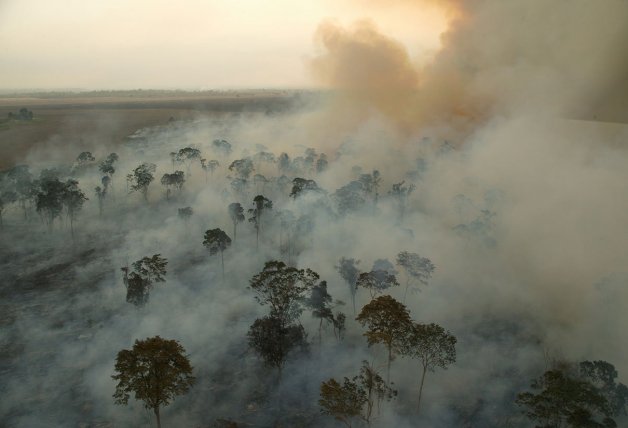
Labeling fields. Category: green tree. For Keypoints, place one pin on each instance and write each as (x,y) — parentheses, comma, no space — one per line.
(432,346)
(342,401)
(283,288)
(73,199)
(141,178)
(387,321)
(217,241)
(260,205)
(274,340)
(186,156)
(174,180)
(49,199)
(563,399)
(155,370)
(140,281)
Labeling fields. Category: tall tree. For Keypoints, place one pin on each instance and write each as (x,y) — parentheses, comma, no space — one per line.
(563,398)
(49,199)
(242,167)
(387,321)
(155,370)
(376,281)
(432,346)
(342,401)
(174,180)
(73,199)
(350,273)
(274,340)
(300,186)
(142,177)
(400,193)
(418,269)
(186,156)
(108,165)
(283,288)
(260,205)
(217,241)
(320,303)
(139,282)
(236,213)
(209,166)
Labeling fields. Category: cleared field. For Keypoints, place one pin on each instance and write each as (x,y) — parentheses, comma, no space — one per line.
(107,119)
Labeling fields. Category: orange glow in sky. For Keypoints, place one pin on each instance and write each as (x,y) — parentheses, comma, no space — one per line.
(190,44)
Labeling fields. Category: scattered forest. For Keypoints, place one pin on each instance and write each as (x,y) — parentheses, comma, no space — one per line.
(226,272)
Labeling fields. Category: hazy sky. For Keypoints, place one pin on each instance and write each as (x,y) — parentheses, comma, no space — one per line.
(191,44)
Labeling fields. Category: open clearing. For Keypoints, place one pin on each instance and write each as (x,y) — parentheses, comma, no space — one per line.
(61,119)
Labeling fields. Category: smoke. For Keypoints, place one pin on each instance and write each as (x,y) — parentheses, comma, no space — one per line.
(524,221)
(557,59)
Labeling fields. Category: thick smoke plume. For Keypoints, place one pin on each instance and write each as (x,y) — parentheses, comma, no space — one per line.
(560,58)
(521,208)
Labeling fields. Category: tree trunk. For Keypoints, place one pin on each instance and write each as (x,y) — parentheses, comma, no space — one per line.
(158,417)
(222,260)
(234,231)
(389,360)
(421,387)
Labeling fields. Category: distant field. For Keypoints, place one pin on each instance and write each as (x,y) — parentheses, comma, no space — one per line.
(108,117)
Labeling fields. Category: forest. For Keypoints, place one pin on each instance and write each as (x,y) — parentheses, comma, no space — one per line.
(215,272)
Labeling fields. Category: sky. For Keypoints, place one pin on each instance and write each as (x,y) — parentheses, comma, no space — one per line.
(188,44)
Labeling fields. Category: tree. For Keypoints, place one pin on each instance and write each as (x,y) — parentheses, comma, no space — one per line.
(260,204)
(417,268)
(430,344)
(185,214)
(602,375)
(73,199)
(376,281)
(401,193)
(301,186)
(371,183)
(283,288)
(20,182)
(284,163)
(349,272)
(387,321)
(320,303)
(350,198)
(176,180)
(342,401)
(210,166)
(236,213)
(273,340)
(100,195)
(375,387)
(107,166)
(142,177)
(565,399)
(188,155)
(49,199)
(322,164)
(222,146)
(346,401)
(155,370)
(139,282)
(217,241)
(242,167)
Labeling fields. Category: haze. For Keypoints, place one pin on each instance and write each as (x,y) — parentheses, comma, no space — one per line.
(190,44)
